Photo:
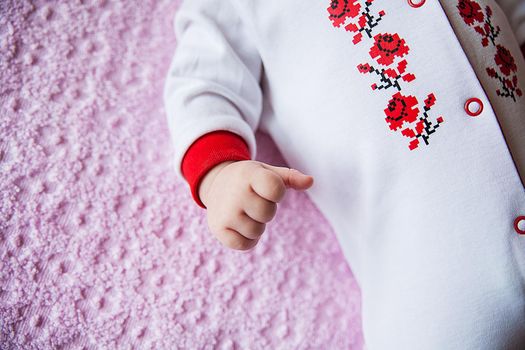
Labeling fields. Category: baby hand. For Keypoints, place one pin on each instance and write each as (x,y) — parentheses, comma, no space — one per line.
(242,196)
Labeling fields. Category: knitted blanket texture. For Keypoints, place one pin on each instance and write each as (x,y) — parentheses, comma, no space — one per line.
(101,246)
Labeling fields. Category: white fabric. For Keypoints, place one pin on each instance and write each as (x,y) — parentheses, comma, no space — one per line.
(213,81)
(427,232)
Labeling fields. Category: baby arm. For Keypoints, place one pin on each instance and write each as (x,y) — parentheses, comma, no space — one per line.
(242,196)
(213,85)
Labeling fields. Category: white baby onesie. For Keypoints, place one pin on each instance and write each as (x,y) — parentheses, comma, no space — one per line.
(410,116)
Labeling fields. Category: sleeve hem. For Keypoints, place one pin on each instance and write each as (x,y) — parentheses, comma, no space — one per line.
(208,151)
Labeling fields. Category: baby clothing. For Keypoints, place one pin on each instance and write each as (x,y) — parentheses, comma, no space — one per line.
(410,116)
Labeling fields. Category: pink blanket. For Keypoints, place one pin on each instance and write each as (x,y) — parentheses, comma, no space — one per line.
(101,246)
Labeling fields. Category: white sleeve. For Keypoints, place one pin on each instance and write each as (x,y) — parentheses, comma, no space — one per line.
(213,80)
(515,11)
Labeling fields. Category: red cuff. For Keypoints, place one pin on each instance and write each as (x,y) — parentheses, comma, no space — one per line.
(207,151)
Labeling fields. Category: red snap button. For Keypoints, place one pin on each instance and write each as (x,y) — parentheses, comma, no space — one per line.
(470,106)
(416,3)
(516,222)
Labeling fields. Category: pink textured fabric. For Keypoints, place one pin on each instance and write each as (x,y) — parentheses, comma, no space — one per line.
(101,246)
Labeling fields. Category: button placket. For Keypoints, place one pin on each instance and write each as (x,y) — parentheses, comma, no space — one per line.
(416,3)
(516,225)
(470,106)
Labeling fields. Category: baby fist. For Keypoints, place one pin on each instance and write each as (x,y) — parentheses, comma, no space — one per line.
(242,196)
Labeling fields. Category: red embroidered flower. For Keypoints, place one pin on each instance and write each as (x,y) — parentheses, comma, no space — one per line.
(470,11)
(340,10)
(505,60)
(491,72)
(420,126)
(489,11)
(391,73)
(413,144)
(387,47)
(409,77)
(401,109)
(430,101)
(401,66)
(364,68)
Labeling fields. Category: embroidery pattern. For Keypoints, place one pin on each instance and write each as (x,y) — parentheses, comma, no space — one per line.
(341,10)
(385,49)
(404,109)
(402,112)
(481,22)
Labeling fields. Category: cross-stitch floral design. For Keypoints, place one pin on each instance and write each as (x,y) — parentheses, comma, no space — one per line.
(481,22)
(508,86)
(403,111)
(388,77)
(341,10)
(387,47)
(470,11)
(473,16)
(388,50)
(505,61)
(507,66)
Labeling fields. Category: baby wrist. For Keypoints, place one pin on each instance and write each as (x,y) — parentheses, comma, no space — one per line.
(206,153)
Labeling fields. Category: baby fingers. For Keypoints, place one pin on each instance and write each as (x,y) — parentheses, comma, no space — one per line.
(247,226)
(268,184)
(234,240)
(260,209)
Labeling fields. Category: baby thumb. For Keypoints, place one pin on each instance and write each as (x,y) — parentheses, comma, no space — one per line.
(292,178)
